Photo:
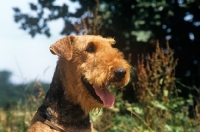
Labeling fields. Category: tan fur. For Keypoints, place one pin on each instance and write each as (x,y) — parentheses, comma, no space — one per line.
(75,62)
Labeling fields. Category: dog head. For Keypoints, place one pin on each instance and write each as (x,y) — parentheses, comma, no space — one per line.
(90,65)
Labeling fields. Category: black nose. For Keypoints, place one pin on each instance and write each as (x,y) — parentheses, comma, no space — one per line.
(119,74)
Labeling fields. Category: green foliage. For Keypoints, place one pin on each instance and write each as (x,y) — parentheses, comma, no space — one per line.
(160,108)
(129,22)
(11,93)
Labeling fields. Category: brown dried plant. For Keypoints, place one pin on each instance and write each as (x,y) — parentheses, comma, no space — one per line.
(33,101)
(156,85)
(92,24)
(17,118)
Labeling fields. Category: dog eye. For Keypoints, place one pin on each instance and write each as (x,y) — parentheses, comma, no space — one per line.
(90,47)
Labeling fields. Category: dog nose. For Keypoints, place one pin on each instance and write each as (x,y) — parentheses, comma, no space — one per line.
(120,73)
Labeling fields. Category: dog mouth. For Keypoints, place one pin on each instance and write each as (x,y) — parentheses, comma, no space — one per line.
(100,93)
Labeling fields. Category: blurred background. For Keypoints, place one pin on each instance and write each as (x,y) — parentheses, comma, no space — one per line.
(141,29)
(26,57)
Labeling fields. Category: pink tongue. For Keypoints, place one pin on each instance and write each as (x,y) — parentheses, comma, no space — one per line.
(107,98)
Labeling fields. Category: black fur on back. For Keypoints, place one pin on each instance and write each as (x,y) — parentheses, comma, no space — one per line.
(69,113)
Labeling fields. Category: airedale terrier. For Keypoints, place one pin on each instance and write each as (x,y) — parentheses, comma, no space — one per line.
(87,65)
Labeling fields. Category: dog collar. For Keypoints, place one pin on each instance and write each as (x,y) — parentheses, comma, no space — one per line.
(47,122)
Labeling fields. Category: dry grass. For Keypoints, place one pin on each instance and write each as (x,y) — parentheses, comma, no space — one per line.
(17,118)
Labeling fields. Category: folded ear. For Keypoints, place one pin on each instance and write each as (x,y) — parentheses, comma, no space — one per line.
(63,47)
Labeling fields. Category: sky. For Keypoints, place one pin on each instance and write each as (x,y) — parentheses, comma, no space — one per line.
(29,59)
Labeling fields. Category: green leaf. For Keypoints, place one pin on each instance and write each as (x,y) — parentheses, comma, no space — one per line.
(158,105)
(166,92)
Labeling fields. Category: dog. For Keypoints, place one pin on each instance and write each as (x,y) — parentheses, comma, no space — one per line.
(87,65)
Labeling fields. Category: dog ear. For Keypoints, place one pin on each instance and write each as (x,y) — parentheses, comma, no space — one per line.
(111,41)
(63,47)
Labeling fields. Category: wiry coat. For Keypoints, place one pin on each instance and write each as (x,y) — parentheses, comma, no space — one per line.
(87,64)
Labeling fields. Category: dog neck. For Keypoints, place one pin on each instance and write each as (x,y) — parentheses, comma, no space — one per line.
(60,111)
